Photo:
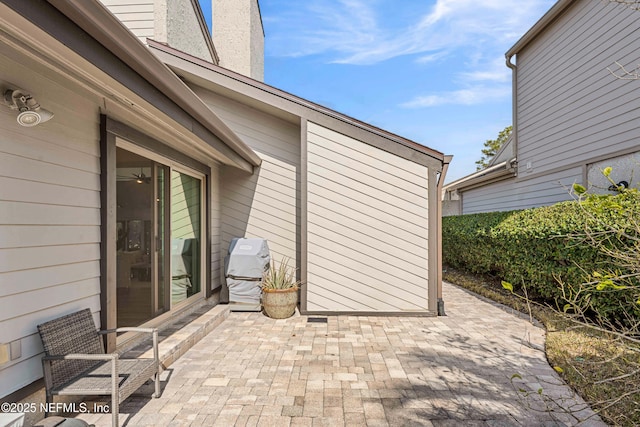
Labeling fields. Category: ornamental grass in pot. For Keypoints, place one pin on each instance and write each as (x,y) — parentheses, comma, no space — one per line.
(280,290)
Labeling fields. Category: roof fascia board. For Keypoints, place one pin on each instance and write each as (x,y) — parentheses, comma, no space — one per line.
(18,38)
(97,21)
(205,31)
(506,146)
(551,15)
(93,19)
(491,174)
(209,76)
(492,179)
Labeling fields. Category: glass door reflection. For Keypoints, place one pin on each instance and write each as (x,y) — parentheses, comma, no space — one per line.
(185,236)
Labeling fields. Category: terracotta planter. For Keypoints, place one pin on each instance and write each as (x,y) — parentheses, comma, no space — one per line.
(279,303)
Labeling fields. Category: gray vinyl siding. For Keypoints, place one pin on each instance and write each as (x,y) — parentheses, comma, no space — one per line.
(264,204)
(137,16)
(367,216)
(49,217)
(570,108)
(515,194)
(571,111)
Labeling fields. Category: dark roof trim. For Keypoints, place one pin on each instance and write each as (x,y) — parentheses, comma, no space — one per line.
(205,31)
(92,19)
(499,154)
(485,176)
(551,15)
(260,15)
(264,88)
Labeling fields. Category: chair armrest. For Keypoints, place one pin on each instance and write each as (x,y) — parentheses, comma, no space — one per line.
(128,329)
(80,356)
(153,331)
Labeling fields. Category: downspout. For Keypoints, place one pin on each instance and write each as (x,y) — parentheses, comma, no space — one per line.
(514,110)
(443,175)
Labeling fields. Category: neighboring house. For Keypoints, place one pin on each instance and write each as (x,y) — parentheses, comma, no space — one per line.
(126,200)
(572,117)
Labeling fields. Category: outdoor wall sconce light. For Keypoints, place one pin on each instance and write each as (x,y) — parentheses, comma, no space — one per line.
(30,113)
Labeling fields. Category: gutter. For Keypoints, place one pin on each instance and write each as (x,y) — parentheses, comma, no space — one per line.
(443,175)
(514,106)
(546,20)
(97,21)
(493,173)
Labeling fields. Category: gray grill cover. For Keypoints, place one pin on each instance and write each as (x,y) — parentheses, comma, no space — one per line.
(244,291)
(247,259)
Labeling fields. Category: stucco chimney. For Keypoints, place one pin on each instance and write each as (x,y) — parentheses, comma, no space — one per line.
(239,36)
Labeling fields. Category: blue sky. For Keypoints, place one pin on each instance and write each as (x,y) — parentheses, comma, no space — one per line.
(430,71)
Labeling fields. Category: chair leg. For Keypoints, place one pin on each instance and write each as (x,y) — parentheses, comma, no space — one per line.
(157,381)
(114,410)
(48,399)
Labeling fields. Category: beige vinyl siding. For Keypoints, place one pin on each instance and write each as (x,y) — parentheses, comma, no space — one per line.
(216,227)
(514,194)
(367,215)
(570,108)
(264,204)
(49,217)
(138,16)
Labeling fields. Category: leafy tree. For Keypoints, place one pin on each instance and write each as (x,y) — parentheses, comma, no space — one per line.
(492,146)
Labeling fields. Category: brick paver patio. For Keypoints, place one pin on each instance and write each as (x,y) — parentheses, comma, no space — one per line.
(364,371)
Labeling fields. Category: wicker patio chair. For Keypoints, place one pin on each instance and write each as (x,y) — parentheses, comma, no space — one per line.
(75,362)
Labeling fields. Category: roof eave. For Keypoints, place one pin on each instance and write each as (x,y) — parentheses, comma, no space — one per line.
(99,23)
(553,13)
(491,174)
(169,55)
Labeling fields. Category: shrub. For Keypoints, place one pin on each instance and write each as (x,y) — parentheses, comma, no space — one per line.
(555,250)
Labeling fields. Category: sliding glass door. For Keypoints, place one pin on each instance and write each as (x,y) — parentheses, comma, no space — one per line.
(160,232)
(186,230)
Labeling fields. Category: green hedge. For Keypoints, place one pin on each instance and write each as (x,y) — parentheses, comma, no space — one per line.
(541,247)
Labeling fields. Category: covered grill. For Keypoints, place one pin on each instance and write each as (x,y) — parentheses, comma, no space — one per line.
(244,266)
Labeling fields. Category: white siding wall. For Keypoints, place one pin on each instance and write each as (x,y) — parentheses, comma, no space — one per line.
(264,204)
(367,227)
(138,16)
(49,217)
(570,108)
(511,194)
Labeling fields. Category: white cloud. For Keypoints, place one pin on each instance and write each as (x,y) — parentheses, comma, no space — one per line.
(468,96)
(473,33)
(431,57)
(495,71)
(366,32)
